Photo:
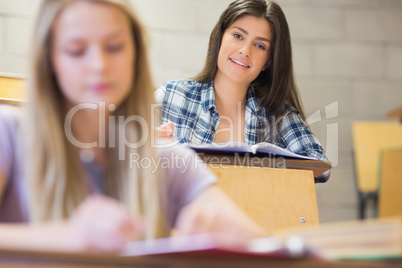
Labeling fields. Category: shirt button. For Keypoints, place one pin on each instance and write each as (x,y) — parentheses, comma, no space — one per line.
(252,131)
(257,109)
(213,132)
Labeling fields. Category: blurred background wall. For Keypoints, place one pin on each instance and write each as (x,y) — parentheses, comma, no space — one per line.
(347,58)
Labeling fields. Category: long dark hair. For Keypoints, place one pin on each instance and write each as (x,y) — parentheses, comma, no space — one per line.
(276,85)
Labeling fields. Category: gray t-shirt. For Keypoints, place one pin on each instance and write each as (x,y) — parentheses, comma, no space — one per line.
(184,174)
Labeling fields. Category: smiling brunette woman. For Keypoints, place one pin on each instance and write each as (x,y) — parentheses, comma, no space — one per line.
(246,91)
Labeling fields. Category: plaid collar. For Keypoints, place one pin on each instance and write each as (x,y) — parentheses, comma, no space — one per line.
(208,99)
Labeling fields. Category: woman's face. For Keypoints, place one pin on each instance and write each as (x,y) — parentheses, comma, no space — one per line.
(93,53)
(244,49)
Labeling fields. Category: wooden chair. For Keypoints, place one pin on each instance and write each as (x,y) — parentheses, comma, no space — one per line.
(390,193)
(369,140)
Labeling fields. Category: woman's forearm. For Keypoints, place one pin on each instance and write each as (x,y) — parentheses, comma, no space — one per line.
(56,236)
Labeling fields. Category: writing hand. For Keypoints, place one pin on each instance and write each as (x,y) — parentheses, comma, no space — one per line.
(103,224)
(165,131)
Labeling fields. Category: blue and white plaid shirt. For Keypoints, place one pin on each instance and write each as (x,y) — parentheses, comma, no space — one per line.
(190,105)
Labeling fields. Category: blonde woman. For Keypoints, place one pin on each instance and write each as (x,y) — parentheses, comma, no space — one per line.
(76,164)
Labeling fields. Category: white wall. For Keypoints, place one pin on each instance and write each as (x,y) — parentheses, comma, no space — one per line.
(347,55)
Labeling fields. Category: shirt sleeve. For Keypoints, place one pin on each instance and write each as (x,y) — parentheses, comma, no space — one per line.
(298,138)
(8,135)
(185,176)
(160,93)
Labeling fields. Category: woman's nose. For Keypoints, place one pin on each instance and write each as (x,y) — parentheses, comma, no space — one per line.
(98,60)
(245,50)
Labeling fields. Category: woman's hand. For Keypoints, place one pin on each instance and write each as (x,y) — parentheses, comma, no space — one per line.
(165,131)
(214,212)
(103,224)
(99,224)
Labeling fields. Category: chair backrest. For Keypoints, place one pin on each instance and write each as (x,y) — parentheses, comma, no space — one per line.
(369,140)
(390,193)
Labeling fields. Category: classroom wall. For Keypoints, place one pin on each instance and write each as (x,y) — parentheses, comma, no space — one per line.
(347,56)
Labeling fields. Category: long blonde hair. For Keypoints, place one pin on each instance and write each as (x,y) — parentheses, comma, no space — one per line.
(57,180)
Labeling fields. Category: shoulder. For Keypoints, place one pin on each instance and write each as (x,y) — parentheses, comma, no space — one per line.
(289,109)
(179,87)
(9,125)
(9,118)
(182,84)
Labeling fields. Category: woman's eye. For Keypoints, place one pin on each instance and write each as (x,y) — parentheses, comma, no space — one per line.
(114,48)
(260,46)
(238,36)
(75,52)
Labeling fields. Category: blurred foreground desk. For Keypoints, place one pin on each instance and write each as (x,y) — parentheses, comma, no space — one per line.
(15,259)
(278,193)
(347,244)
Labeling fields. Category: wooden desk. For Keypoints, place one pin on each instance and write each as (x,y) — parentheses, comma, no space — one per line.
(345,240)
(277,193)
(17,259)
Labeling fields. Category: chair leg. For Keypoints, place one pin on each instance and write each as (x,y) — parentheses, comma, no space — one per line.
(364,198)
(375,200)
(362,206)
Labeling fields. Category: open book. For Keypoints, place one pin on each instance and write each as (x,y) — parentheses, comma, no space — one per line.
(210,244)
(264,148)
(355,240)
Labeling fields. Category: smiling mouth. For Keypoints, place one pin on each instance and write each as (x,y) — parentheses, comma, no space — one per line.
(239,63)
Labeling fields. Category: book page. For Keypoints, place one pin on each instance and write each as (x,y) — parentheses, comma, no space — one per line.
(238,147)
(228,147)
(213,244)
(274,150)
